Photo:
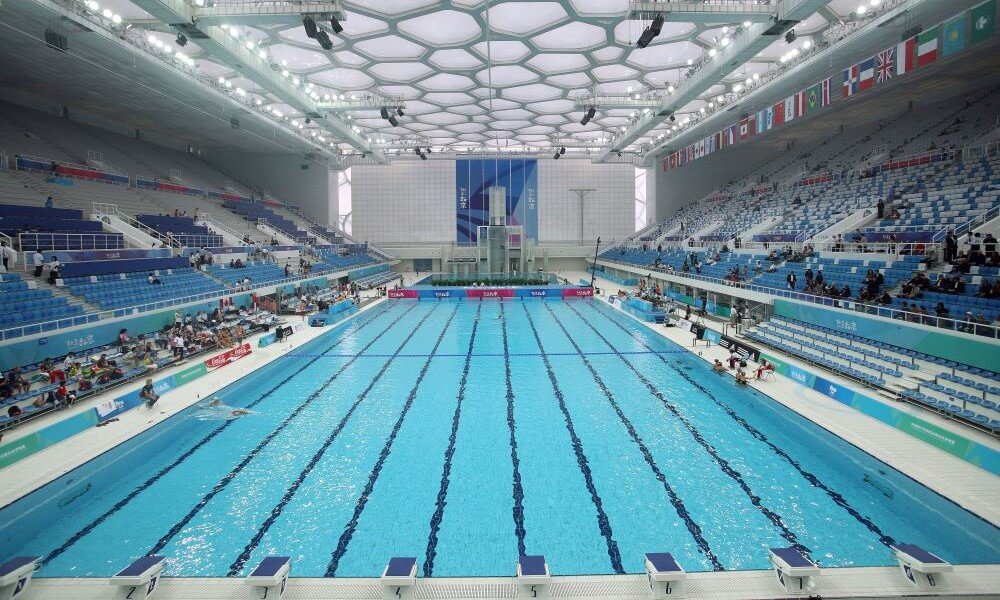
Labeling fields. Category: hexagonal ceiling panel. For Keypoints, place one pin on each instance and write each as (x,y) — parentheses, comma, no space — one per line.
(499,73)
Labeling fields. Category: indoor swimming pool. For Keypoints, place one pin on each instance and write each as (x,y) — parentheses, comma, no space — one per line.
(467,433)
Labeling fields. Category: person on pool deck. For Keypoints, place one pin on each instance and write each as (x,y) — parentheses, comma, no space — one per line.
(718,367)
(733,360)
(149,394)
(764,367)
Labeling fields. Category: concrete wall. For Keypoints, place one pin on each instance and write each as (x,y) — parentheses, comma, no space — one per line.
(285,177)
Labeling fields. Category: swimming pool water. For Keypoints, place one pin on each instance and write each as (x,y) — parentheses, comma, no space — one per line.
(467,433)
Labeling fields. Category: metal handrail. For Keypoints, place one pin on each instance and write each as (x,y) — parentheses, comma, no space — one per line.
(46,241)
(111,210)
(845,303)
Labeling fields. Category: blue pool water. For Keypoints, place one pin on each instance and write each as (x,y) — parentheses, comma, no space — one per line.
(465,433)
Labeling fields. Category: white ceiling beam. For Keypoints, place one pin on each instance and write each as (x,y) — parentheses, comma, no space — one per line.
(246,13)
(745,45)
(701,12)
(217,42)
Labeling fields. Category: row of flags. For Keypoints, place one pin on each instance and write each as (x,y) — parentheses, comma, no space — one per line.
(972,27)
(804,102)
(967,29)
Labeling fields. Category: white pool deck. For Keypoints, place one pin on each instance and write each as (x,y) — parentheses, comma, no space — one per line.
(967,485)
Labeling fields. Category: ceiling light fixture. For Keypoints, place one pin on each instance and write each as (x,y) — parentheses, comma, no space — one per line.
(324,40)
(310,26)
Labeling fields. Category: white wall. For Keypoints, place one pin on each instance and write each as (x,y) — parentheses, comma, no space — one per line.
(414,201)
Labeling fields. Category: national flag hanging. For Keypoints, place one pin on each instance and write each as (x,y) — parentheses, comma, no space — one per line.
(768,118)
(825,86)
(779,113)
(953,36)
(867,74)
(927,47)
(800,103)
(885,65)
(761,121)
(789,108)
(905,55)
(752,124)
(744,129)
(850,81)
(983,19)
(734,132)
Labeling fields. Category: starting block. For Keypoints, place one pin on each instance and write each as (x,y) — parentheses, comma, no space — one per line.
(533,577)
(15,576)
(139,580)
(399,579)
(665,575)
(793,570)
(270,578)
(920,567)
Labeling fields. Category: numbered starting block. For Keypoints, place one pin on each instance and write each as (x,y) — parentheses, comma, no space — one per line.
(140,579)
(269,580)
(793,570)
(399,579)
(665,575)
(920,567)
(532,577)
(15,575)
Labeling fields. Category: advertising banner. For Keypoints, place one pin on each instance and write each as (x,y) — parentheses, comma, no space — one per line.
(481,293)
(578,292)
(473,180)
(232,355)
(403,294)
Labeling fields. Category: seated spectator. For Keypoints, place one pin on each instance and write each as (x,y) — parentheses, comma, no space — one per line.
(764,367)
(14,411)
(148,393)
(123,338)
(153,280)
(18,382)
(46,368)
(54,271)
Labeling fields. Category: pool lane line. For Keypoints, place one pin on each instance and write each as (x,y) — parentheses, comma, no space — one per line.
(245,555)
(837,498)
(518,490)
(449,454)
(581,458)
(190,451)
(235,471)
(693,528)
(359,507)
(724,465)
(492,354)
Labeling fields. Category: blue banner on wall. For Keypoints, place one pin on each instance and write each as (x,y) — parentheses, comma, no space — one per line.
(473,180)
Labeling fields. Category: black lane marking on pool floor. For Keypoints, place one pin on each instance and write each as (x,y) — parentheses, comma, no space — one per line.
(275,512)
(518,491)
(190,451)
(359,507)
(235,471)
(693,528)
(807,475)
(449,454)
(581,459)
(724,465)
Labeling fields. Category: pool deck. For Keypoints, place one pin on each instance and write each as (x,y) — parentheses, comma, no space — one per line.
(871,582)
(966,484)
